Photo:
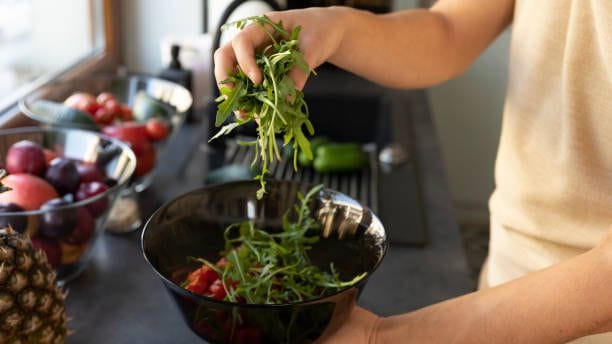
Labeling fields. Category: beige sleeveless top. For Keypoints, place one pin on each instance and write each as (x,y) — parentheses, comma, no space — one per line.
(553,196)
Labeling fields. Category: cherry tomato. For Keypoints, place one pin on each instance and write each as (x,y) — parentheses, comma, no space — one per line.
(196,284)
(83,101)
(157,130)
(103,116)
(126,113)
(193,276)
(216,290)
(113,107)
(197,287)
(103,97)
(208,274)
(76,98)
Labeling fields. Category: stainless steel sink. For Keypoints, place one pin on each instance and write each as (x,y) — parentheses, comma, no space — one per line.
(345,117)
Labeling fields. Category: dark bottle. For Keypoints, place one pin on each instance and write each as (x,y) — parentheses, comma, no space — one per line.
(175,73)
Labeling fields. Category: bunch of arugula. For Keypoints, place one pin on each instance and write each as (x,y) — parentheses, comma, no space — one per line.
(274,268)
(275,104)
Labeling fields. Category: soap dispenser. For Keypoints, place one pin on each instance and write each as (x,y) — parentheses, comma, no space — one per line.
(175,73)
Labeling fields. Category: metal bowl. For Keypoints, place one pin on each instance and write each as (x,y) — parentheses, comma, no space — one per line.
(112,156)
(175,98)
(352,238)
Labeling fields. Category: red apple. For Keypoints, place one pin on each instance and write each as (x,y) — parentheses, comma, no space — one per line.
(28,191)
(26,157)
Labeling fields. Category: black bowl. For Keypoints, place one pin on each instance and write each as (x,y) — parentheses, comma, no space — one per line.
(352,238)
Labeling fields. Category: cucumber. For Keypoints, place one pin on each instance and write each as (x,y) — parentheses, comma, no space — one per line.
(341,157)
(60,115)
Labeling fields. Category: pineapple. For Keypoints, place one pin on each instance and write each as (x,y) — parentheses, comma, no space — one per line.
(31,304)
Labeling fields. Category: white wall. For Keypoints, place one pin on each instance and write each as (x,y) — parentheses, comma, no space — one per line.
(145,22)
(467,112)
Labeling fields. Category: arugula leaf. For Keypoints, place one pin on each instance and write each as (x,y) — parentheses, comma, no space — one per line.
(275,104)
(230,99)
(274,267)
(226,129)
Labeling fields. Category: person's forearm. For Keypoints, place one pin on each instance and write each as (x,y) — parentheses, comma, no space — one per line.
(419,48)
(567,301)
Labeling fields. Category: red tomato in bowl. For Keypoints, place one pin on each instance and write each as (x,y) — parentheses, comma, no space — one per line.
(157,129)
(135,134)
(113,107)
(103,97)
(216,290)
(103,116)
(126,113)
(201,279)
(130,132)
(145,161)
(83,101)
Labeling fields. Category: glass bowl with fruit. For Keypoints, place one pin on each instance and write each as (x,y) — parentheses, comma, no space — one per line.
(284,269)
(58,186)
(144,112)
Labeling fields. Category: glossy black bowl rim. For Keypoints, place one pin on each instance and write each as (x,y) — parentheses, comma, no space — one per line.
(185,292)
(115,188)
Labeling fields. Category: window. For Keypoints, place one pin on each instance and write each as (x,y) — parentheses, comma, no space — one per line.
(41,39)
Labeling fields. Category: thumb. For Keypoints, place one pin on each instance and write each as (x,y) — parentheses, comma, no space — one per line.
(299,78)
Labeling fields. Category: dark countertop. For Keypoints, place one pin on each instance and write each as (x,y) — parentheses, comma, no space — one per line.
(118,299)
